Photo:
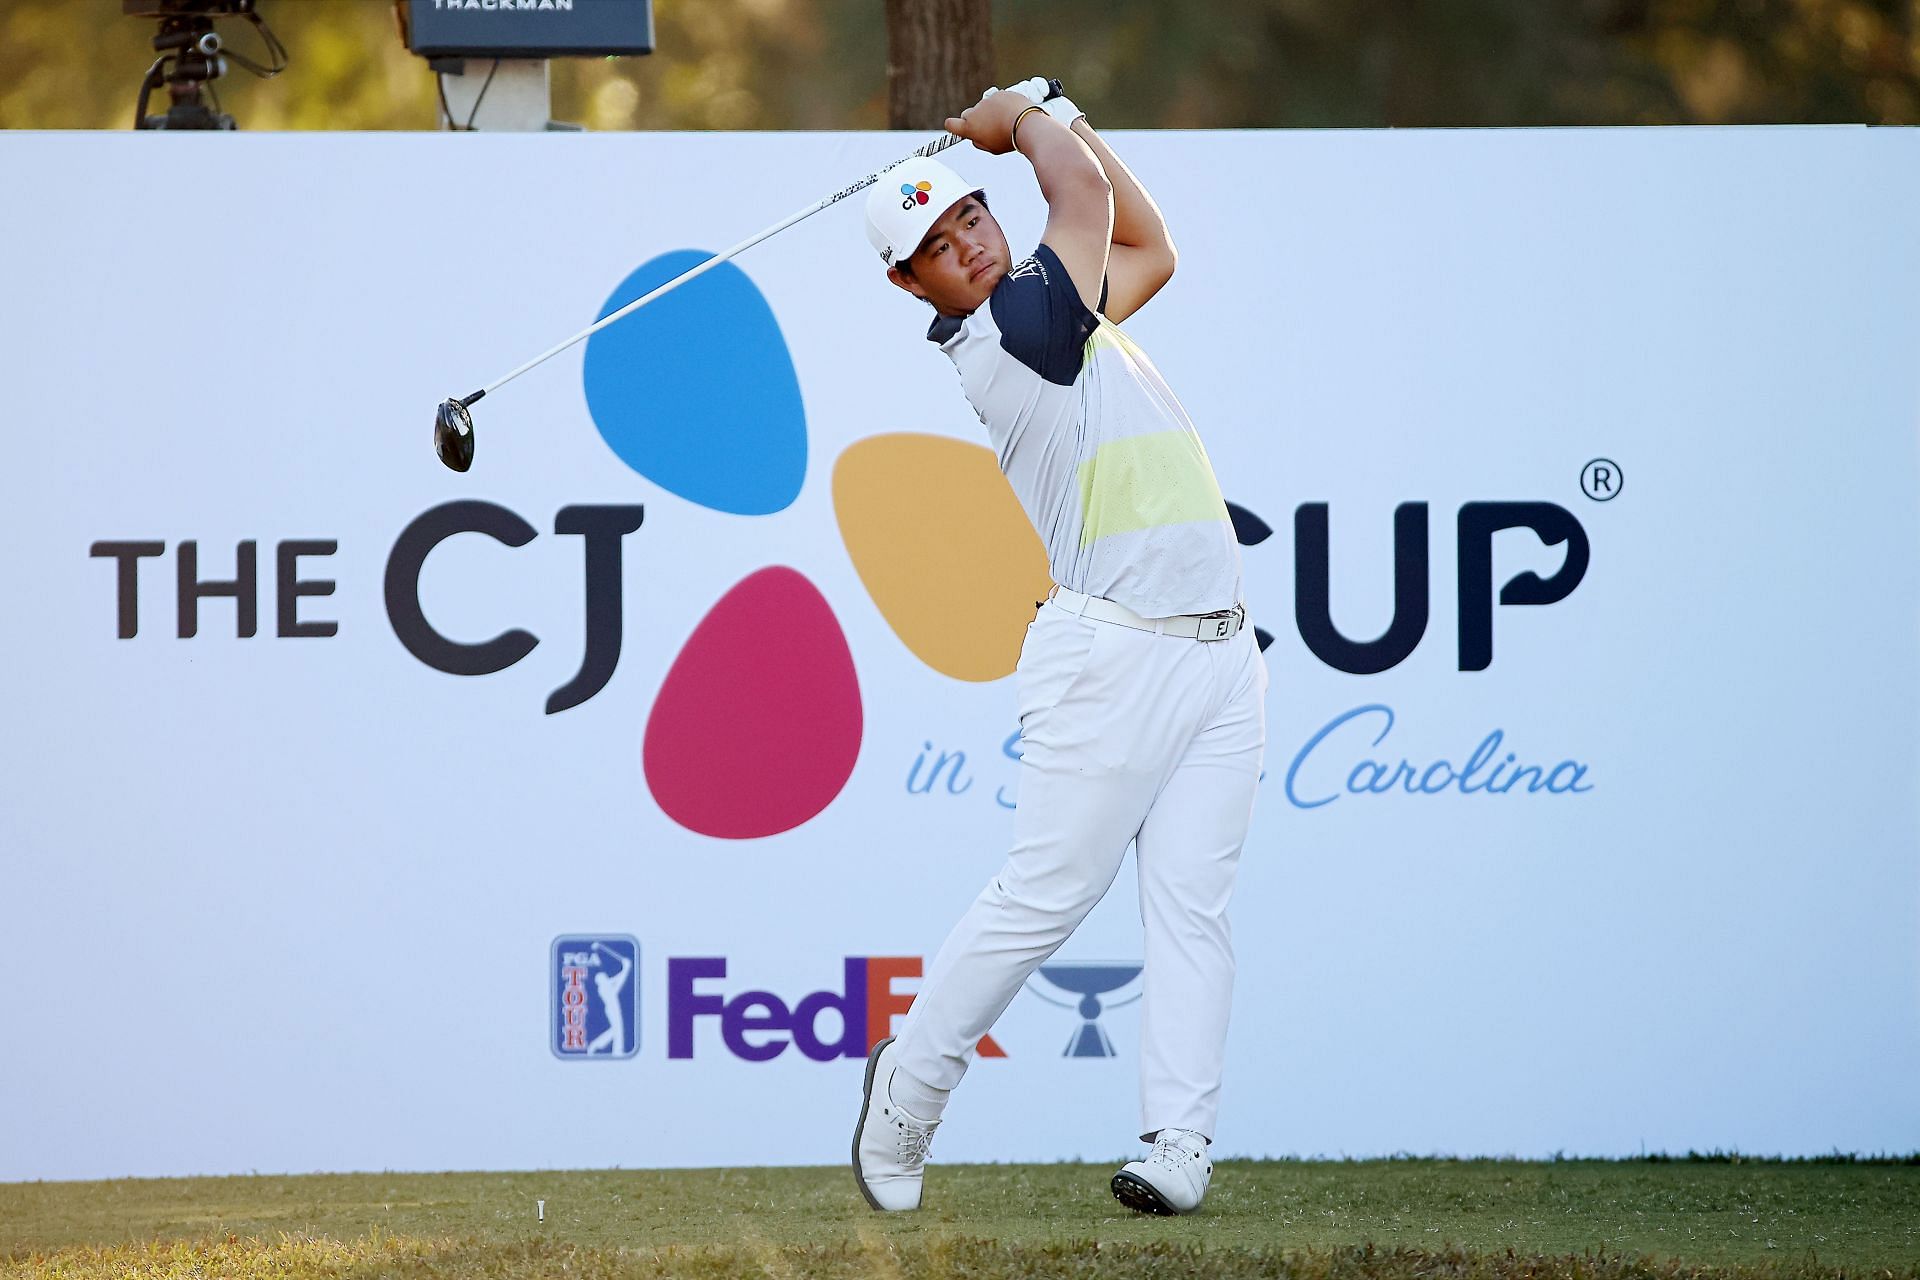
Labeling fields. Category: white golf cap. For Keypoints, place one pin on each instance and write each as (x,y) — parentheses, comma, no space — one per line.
(909,198)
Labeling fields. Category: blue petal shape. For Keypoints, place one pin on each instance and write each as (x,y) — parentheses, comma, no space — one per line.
(696,391)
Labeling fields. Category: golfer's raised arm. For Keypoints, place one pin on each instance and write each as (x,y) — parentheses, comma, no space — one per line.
(1079,197)
(1143,256)
(1079,201)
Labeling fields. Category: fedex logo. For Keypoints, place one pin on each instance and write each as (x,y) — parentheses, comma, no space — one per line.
(759,1025)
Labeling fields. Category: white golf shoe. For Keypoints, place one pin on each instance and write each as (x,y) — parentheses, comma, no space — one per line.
(1172,1179)
(889,1146)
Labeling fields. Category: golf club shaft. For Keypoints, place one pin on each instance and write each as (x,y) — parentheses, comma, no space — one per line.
(932,148)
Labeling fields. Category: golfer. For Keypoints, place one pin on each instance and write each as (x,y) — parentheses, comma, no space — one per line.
(1140,686)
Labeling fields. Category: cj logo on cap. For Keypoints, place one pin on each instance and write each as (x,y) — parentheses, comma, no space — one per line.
(915,193)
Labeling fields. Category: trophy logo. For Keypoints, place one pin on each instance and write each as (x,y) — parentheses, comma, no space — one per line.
(1091,987)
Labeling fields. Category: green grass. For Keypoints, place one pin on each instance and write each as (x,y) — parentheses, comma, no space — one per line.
(1404,1219)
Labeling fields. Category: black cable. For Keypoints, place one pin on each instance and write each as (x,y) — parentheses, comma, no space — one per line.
(440,82)
(471,115)
(276,52)
(153,81)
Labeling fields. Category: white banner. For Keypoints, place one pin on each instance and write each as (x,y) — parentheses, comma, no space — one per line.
(598,806)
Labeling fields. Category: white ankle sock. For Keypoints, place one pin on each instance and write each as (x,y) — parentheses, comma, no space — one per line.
(919,1100)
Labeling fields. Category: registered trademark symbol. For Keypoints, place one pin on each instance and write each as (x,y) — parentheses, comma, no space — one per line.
(1602,480)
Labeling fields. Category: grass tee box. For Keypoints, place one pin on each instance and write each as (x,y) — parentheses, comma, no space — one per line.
(1400,1218)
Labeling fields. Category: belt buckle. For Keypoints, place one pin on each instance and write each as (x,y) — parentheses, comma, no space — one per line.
(1223,625)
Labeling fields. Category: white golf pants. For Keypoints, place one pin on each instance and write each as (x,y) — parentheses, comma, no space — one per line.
(1127,737)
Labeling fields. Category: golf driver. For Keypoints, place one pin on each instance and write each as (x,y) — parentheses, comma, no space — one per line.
(453,424)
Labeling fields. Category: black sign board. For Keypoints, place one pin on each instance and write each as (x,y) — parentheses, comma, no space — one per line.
(529,28)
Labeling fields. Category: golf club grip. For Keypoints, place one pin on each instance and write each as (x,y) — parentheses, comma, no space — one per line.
(931,148)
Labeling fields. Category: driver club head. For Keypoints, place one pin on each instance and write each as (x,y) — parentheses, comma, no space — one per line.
(453,435)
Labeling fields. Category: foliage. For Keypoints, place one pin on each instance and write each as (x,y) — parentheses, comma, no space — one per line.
(723,64)
(1477,62)
(820,64)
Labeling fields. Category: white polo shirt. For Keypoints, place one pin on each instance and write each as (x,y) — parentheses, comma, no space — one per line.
(1098,450)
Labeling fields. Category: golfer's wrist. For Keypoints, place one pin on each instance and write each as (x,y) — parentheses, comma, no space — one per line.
(1013,134)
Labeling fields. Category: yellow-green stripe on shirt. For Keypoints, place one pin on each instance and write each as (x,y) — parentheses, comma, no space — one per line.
(1145,482)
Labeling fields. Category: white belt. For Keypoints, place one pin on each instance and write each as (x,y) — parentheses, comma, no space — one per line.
(1223,625)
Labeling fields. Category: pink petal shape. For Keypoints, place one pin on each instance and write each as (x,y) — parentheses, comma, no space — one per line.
(757,725)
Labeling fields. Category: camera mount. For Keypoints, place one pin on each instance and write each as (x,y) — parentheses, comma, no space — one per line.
(192,56)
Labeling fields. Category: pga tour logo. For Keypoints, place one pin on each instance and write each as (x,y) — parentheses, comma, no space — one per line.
(596,1001)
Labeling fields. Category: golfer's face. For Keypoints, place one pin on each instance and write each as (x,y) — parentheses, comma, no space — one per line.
(962,258)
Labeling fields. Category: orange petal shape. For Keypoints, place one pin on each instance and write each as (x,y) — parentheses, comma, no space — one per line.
(943,548)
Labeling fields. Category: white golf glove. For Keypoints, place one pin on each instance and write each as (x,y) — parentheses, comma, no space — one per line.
(1034,89)
(1060,108)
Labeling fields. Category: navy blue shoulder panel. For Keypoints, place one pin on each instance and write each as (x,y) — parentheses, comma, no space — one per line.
(1043,322)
